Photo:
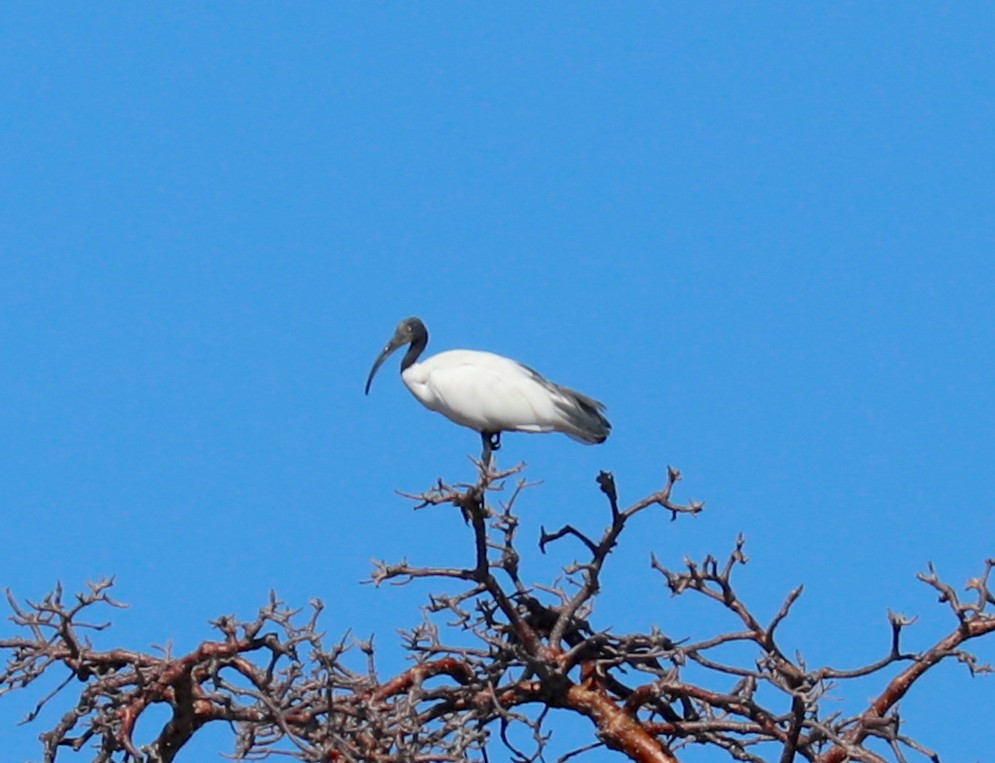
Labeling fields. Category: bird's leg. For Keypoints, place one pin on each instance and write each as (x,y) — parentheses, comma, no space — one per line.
(485,456)
(492,442)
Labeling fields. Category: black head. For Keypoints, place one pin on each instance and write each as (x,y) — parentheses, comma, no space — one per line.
(410,331)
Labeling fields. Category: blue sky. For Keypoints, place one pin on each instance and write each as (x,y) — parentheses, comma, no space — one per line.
(763,236)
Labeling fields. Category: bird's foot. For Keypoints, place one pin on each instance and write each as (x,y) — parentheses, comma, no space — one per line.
(492,442)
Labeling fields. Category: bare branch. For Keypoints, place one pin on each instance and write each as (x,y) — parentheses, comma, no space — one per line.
(493,655)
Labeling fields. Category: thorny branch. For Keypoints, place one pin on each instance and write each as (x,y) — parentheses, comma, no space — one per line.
(482,657)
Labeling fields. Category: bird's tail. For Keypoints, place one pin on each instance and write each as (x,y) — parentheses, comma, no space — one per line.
(583,417)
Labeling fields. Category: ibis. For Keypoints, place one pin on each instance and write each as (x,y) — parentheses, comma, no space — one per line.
(489,393)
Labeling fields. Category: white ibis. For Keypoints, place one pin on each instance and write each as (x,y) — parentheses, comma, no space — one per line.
(490,393)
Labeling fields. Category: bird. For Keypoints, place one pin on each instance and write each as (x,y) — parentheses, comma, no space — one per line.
(490,393)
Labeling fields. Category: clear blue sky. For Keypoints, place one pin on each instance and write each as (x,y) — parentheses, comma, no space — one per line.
(763,236)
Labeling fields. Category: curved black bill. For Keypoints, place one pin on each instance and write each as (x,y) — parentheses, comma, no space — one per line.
(391,346)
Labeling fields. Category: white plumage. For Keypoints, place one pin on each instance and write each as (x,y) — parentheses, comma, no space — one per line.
(490,393)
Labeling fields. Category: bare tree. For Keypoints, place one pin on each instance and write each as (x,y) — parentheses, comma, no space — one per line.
(489,661)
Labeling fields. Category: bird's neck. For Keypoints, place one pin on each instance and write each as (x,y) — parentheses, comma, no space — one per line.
(416,348)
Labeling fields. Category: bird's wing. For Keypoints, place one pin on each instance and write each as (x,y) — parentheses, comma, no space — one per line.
(487,392)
